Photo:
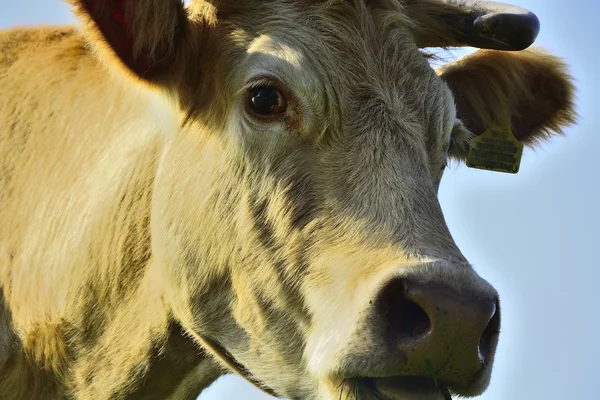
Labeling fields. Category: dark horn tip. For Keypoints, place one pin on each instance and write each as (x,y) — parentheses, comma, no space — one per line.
(508,31)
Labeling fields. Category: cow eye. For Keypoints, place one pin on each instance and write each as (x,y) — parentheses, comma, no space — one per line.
(266,101)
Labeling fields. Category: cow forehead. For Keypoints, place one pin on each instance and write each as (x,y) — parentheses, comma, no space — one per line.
(371,60)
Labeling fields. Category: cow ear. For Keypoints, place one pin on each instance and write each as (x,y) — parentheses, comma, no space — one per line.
(529,88)
(142,35)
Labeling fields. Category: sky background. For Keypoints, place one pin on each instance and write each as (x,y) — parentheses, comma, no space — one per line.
(533,235)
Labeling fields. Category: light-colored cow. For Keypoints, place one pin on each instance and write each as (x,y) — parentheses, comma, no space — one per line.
(251,186)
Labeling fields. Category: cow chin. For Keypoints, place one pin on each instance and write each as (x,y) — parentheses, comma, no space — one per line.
(409,388)
(392,388)
(400,388)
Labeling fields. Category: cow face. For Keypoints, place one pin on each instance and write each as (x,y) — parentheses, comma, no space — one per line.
(295,219)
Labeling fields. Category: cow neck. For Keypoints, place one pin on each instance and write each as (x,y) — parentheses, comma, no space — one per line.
(224,356)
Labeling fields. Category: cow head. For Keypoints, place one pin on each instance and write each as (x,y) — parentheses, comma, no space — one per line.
(295,221)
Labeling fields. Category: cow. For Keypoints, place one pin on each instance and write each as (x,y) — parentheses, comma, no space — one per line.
(250,187)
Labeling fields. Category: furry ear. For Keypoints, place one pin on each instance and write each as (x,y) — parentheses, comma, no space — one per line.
(531,86)
(144,35)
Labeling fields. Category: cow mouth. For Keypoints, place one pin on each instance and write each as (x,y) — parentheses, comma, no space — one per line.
(360,388)
(396,388)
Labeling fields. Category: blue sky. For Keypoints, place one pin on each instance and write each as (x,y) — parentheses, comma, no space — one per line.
(533,235)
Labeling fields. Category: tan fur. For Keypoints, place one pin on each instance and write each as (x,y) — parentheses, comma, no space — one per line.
(46,345)
(151,231)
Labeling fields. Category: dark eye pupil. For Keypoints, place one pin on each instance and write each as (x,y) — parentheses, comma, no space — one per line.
(264,100)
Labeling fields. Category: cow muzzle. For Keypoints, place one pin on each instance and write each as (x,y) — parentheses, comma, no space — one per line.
(429,319)
(430,337)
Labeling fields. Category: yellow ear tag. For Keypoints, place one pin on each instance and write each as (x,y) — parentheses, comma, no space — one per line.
(497,149)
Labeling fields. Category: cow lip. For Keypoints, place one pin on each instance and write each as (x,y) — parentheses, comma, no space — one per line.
(408,388)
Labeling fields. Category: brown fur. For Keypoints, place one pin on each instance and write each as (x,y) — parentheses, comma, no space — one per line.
(523,85)
(150,233)
(145,41)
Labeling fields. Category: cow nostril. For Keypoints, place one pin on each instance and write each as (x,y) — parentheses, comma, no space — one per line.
(405,318)
(490,334)
(413,320)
